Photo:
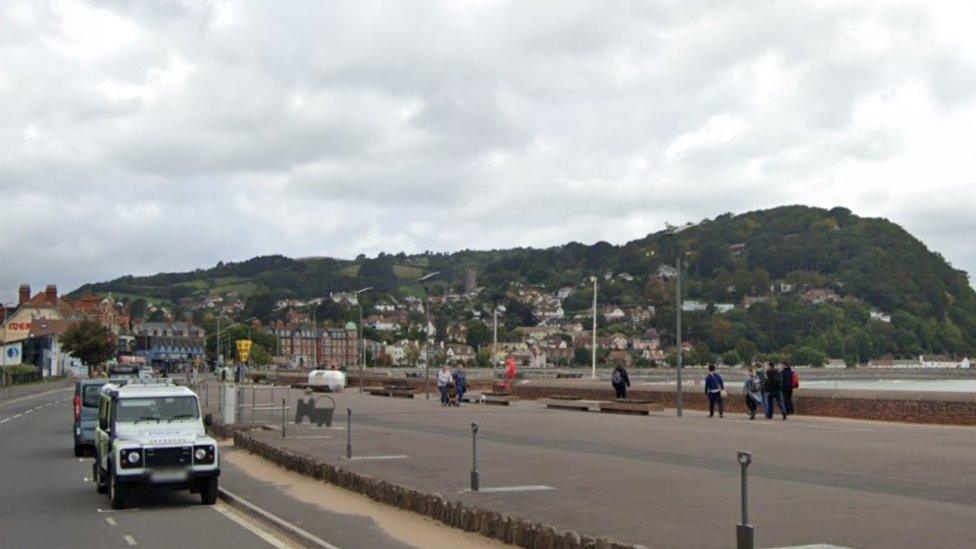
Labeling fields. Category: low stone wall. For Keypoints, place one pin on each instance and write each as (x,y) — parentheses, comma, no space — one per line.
(902,406)
(508,529)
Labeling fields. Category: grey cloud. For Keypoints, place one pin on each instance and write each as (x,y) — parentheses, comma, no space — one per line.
(310,128)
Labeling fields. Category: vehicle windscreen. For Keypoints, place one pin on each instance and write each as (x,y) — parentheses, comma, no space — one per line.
(89,395)
(158,409)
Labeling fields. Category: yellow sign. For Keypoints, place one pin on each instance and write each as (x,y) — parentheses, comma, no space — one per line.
(18,326)
(243,349)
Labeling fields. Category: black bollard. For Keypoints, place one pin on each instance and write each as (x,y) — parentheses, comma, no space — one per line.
(475,475)
(348,433)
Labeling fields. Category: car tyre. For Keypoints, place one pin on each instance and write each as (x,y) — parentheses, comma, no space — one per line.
(79,450)
(118,492)
(208,491)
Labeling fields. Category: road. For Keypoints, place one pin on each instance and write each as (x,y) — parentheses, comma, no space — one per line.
(47,500)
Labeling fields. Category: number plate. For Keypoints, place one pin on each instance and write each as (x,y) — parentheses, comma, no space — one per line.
(168,475)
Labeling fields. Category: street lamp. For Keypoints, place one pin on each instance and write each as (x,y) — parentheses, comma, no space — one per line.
(423,279)
(673,232)
(362,336)
(593,278)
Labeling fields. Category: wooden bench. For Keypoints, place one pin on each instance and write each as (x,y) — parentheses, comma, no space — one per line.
(569,376)
(389,392)
(498,399)
(643,407)
(571,404)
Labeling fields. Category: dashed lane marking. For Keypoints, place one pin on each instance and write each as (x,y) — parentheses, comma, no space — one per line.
(130,540)
(116,511)
(16,416)
(111,521)
(4,420)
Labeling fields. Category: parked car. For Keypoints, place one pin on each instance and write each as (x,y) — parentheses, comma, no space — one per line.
(86,413)
(151,435)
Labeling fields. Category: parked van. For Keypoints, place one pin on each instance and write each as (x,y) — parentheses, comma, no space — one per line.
(86,413)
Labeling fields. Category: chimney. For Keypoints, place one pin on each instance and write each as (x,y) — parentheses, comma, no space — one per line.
(24,295)
(51,294)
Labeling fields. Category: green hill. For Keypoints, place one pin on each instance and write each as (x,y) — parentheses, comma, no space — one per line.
(771,257)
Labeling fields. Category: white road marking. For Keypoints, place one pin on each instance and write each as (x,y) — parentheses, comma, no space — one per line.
(128,510)
(130,540)
(85,479)
(528,488)
(28,411)
(367,458)
(81,460)
(4,420)
(250,526)
(16,416)
(111,521)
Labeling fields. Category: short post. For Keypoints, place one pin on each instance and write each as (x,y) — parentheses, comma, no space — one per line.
(348,433)
(283,403)
(744,532)
(475,475)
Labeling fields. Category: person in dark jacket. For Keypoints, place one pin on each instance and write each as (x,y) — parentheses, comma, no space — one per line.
(774,390)
(620,381)
(752,389)
(788,375)
(461,382)
(714,387)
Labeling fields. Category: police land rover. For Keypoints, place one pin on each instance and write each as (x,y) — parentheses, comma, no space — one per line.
(150,435)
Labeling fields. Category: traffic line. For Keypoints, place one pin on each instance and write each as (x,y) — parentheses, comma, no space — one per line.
(377,458)
(4,420)
(498,489)
(130,540)
(16,416)
(111,521)
(251,526)
(245,506)
(126,510)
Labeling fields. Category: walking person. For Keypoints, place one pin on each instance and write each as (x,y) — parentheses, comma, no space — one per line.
(791,380)
(460,383)
(715,389)
(444,380)
(752,390)
(774,391)
(620,381)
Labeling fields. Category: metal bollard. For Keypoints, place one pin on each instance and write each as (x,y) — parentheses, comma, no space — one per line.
(283,402)
(475,475)
(745,535)
(348,433)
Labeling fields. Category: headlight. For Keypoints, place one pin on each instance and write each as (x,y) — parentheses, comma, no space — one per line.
(130,457)
(204,454)
(133,457)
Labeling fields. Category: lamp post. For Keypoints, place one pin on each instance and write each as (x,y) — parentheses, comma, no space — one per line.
(362,336)
(593,278)
(494,346)
(423,279)
(673,232)
(744,532)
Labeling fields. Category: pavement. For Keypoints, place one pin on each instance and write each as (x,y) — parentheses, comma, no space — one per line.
(48,500)
(665,481)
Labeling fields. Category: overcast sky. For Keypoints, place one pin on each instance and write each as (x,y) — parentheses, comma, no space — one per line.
(139,137)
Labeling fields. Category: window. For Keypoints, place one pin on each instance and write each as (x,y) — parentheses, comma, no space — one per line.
(157,409)
(90,395)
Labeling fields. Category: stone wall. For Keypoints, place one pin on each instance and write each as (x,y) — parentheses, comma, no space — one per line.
(508,529)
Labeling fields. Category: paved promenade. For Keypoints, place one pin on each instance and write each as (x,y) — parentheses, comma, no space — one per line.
(669,482)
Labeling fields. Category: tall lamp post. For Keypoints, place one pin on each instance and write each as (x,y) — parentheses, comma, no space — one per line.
(593,278)
(673,232)
(423,279)
(362,337)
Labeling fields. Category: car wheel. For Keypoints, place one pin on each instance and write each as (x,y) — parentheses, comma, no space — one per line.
(117,492)
(79,450)
(208,491)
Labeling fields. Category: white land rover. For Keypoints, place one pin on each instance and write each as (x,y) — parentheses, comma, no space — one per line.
(151,435)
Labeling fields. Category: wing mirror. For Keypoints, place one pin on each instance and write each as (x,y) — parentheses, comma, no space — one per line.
(208,420)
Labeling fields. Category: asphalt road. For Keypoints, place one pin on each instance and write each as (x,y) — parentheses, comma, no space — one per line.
(47,501)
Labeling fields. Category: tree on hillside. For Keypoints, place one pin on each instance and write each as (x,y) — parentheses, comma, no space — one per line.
(478,334)
(89,342)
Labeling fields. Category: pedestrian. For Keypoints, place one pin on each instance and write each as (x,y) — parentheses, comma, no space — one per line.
(511,370)
(753,392)
(791,380)
(715,389)
(620,381)
(444,380)
(460,383)
(774,391)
